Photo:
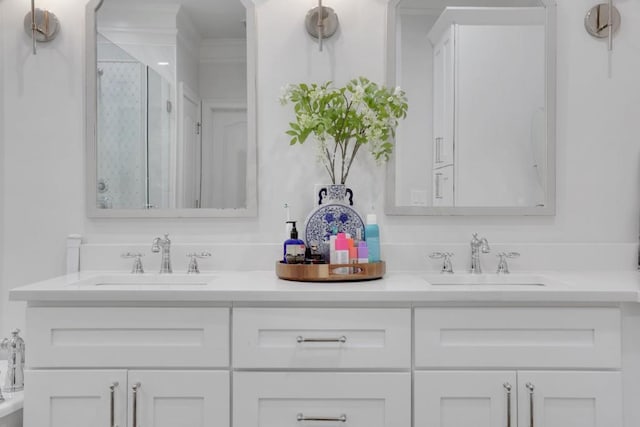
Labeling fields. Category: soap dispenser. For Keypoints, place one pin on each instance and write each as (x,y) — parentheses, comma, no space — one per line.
(293,248)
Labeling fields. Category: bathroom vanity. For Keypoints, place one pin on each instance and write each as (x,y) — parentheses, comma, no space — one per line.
(245,349)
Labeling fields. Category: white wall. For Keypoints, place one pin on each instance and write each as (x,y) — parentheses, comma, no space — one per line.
(43,135)
(598,148)
(3,288)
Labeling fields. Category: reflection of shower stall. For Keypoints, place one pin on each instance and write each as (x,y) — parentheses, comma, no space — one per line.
(133,132)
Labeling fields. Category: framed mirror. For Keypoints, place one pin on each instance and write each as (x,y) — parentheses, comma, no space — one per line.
(479,138)
(170,108)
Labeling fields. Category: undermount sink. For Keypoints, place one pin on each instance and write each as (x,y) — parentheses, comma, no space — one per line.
(518,281)
(150,280)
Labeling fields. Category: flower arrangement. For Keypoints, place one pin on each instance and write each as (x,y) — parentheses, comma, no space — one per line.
(344,119)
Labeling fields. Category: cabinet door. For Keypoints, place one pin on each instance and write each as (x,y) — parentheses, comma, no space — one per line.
(443,99)
(465,399)
(179,398)
(569,399)
(75,398)
(303,399)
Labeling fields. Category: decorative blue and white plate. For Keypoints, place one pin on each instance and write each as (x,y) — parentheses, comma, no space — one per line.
(330,219)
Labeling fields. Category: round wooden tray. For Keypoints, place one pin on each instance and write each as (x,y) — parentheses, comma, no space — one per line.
(330,272)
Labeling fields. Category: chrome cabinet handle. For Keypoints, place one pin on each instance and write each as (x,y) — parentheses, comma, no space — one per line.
(530,387)
(301,339)
(112,406)
(342,418)
(135,389)
(507,387)
(439,186)
(439,150)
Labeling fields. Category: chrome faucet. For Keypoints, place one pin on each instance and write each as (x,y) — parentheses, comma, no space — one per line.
(447,266)
(165,244)
(503,266)
(14,379)
(478,244)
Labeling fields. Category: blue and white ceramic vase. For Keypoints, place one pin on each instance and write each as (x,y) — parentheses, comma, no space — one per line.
(335,193)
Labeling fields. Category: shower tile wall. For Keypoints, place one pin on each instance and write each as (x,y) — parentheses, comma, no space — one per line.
(121,128)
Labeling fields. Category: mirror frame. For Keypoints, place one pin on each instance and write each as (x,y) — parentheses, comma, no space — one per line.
(550,99)
(91,110)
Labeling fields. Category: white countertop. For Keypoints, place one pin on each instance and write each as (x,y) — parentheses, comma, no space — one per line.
(265,287)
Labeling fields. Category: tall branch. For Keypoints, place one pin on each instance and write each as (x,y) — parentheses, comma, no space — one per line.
(353,156)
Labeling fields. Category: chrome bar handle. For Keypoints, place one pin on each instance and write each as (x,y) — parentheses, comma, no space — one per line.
(507,387)
(34,27)
(112,406)
(135,389)
(530,387)
(438,150)
(610,25)
(342,418)
(301,339)
(439,185)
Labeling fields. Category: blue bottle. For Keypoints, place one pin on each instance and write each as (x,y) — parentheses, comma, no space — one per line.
(293,249)
(372,237)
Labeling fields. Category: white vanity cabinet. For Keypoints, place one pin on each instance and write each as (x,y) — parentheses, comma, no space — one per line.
(321,338)
(293,399)
(507,398)
(128,366)
(383,362)
(531,341)
(133,398)
(300,341)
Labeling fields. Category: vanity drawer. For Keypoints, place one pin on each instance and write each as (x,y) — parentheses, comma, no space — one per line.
(296,399)
(113,337)
(518,337)
(321,338)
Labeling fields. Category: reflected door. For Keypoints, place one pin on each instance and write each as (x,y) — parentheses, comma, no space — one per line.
(189,181)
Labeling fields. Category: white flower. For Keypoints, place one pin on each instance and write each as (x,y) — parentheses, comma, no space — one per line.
(305,120)
(316,94)
(285,94)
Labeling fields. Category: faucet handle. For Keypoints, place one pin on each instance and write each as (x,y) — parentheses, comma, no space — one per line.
(137,261)
(503,266)
(447,266)
(193,262)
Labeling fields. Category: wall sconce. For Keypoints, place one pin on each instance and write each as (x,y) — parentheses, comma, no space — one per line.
(602,21)
(41,25)
(321,23)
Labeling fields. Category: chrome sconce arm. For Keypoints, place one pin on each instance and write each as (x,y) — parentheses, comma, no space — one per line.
(41,25)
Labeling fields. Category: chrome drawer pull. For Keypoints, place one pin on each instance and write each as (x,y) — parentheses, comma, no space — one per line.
(112,406)
(507,387)
(135,389)
(342,418)
(530,387)
(301,339)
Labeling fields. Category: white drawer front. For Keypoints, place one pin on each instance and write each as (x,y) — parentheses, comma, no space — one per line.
(517,337)
(128,337)
(321,338)
(270,399)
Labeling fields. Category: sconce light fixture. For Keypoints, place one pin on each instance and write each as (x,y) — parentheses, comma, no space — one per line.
(321,23)
(603,21)
(41,25)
